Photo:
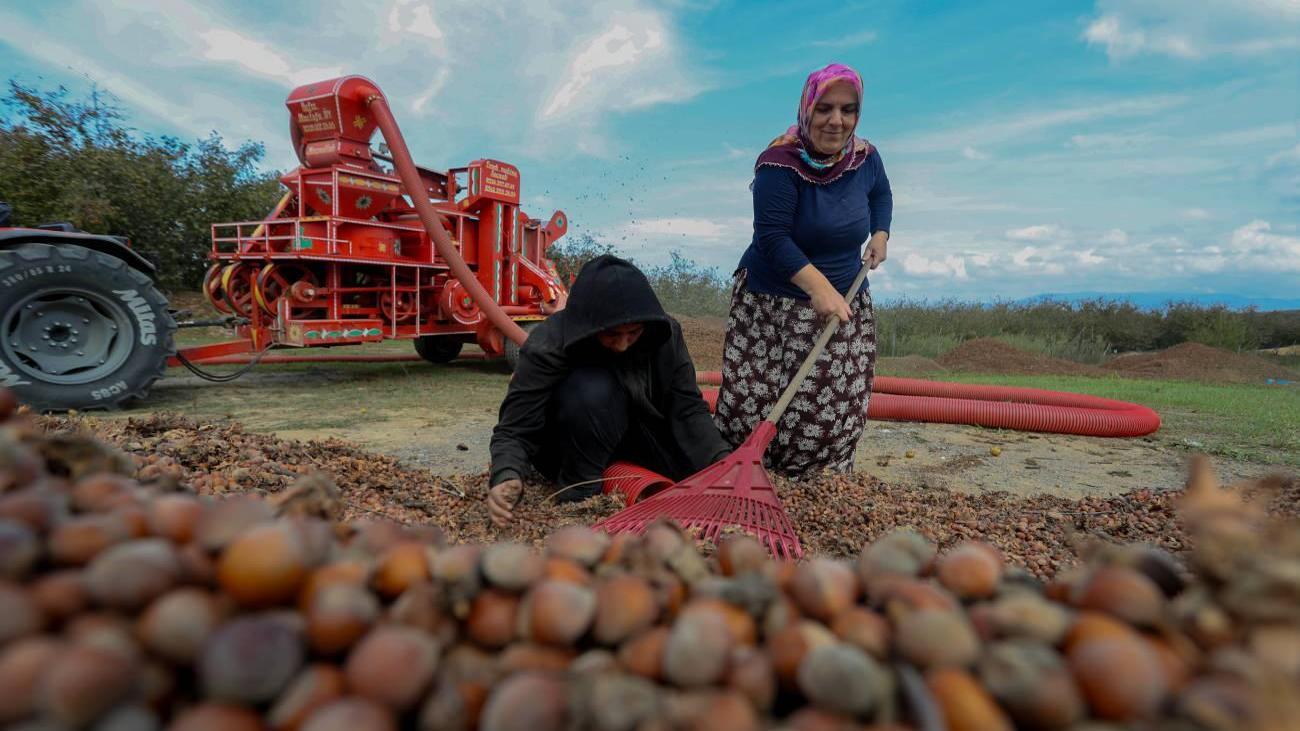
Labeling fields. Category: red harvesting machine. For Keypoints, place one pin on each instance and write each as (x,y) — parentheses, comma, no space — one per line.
(356,252)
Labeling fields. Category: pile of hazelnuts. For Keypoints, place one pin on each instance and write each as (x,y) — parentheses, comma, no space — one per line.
(128,606)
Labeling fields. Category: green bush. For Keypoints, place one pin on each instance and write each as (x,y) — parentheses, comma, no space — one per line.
(1087,332)
(687,288)
(1080,347)
(930,345)
(1223,329)
(683,286)
(569,254)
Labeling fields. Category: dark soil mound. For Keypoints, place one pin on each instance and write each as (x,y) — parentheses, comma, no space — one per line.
(1197,362)
(908,365)
(704,336)
(989,355)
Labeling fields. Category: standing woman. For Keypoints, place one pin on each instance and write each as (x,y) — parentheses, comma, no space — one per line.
(819,193)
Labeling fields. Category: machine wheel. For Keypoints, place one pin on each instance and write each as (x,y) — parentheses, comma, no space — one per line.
(212,288)
(237,288)
(512,350)
(79,329)
(439,348)
(277,280)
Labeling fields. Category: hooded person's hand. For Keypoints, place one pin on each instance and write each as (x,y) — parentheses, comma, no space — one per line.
(502,499)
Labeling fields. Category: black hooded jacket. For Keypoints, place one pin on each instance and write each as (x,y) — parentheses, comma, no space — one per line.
(656,371)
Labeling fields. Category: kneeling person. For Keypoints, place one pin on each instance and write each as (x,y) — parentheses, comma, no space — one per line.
(606,378)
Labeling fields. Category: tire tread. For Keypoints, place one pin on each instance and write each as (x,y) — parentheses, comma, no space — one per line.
(164,322)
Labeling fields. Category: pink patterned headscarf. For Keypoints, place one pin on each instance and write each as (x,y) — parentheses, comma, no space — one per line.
(794,149)
(816,85)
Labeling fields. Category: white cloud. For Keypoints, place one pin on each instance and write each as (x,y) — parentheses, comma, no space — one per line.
(848,41)
(1021,126)
(1252,250)
(1120,41)
(1039,260)
(1112,140)
(1196,214)
(915,198)
(1023,257)
(416,18)
(970,153)
(696,228)
(713,241)
(953,267)
(230,46)
(600,70)
(140,97)
(1253,135)
(1255,257)
(1089,257)
(1289,155)
(1114,237)
(1194,30)
(1253,247)
(1282,173)
(544,80)
(440,79)
(1042,232)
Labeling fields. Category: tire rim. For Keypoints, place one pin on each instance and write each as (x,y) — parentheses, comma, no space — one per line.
(67,336)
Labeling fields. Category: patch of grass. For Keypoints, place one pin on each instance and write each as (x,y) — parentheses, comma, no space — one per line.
(1246,422)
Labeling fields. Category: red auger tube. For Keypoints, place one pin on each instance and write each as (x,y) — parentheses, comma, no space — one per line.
(998,407)
(411,181)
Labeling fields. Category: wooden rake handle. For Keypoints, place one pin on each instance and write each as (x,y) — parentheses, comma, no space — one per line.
(832,325)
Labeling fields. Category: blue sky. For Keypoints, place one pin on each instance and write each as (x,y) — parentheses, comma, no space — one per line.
(1107,145)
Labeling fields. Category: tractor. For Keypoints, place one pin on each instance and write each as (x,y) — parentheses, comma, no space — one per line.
(355,252)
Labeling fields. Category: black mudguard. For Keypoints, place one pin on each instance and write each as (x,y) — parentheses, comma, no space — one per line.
(114,246)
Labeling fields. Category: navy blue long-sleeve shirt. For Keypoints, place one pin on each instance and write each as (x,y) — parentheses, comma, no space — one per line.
(797,223)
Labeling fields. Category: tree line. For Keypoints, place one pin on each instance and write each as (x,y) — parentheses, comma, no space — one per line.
(75,159)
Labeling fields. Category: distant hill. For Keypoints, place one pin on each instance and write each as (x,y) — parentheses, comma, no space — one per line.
(1156,300)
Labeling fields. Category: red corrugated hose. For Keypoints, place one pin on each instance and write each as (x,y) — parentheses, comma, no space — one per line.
(997,407)
(911,399)
(633,481)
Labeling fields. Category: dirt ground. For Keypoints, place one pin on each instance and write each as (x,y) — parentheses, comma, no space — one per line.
(447,430)
(962,458)
(441,418)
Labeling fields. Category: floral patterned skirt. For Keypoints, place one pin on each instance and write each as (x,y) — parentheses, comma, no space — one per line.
(768,337)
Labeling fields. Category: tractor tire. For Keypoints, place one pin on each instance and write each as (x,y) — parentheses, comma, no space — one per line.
(439,348)
(512,350)
(79,329)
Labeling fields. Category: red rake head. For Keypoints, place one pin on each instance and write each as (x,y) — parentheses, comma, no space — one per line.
(735,492)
